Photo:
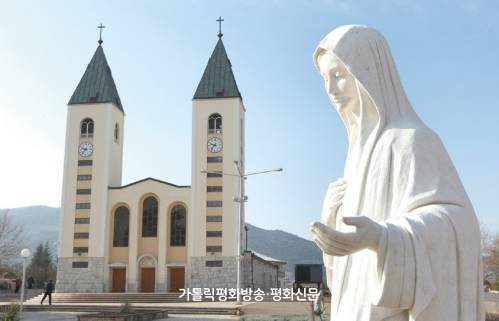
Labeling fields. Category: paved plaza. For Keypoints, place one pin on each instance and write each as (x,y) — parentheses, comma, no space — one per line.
(253,311)
(66,316)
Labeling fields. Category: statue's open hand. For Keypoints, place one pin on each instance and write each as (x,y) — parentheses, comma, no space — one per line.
(366,236)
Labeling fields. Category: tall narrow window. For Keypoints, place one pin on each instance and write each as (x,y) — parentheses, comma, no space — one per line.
(87,128)
(117,133)
(177,227)
(121,221)
(215,123)
(150,217)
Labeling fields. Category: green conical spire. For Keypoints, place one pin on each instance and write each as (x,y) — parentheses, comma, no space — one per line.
(97,84)
(218,80)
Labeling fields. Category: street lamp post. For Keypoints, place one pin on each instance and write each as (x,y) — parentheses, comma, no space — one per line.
(240,198)
(25,253)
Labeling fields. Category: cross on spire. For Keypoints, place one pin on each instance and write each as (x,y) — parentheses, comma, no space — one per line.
(220,34)
(100,34)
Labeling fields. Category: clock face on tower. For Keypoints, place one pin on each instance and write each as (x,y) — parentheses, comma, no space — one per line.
(215,145)
(86,149)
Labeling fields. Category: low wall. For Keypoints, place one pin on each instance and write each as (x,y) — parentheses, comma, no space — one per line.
(492,302)
(139,316)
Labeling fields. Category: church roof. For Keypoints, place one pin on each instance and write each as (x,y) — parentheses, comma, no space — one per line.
(97,84)
(218,80)
(149,179)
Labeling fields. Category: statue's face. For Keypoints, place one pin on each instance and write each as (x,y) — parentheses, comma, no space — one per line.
(339,82)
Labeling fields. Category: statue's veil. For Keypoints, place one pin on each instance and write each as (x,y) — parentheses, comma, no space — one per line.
(383,101)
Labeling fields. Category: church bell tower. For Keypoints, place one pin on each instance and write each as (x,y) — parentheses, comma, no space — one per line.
(92,163)
(218,116)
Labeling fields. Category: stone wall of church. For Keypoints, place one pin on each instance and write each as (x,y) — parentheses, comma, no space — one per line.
(213,275)
(82,280)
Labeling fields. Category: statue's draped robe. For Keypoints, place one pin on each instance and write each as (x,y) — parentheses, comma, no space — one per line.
(398,173)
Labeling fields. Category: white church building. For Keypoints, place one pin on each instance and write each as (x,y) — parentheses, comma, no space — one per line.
(152,235)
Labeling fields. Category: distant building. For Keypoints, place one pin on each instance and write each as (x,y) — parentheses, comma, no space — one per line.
(289,279)
(261,271)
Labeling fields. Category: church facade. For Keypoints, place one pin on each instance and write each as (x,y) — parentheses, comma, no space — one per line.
(152,235)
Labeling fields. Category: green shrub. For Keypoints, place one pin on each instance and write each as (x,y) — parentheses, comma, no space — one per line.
(11,313)
(126,308)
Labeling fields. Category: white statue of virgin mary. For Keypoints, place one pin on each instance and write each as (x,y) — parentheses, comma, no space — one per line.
(399,235)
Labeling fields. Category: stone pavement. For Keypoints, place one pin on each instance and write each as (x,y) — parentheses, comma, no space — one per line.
(252,311)
(279,308)
(49,316)
(66,316)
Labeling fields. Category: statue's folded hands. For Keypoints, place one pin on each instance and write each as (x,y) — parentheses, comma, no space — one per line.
(332,201)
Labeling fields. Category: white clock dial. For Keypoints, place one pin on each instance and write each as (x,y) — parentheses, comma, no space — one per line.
(215,145)
(86,149)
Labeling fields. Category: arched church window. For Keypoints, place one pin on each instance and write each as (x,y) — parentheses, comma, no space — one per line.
(150,217)
(121,221)
(87,128)
(177,226)
(116,132)
(215,123)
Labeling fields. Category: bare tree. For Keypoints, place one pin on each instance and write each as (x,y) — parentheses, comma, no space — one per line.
(11,239)
(490,246)
(486,238)
(492,250)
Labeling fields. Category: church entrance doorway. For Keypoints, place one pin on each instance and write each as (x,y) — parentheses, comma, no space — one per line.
(119,279)
(147,272)
(147,279)
(177,277)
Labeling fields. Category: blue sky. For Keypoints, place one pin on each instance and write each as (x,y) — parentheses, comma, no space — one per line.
(446,53)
